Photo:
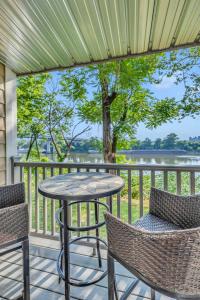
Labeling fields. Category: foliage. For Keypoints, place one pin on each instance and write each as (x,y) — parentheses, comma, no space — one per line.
(30,102)
(146,144)
(184,67)
(118,98)
(43,113)
(95,144)
(162,111)
(170,142)
(31,105)
(59,122)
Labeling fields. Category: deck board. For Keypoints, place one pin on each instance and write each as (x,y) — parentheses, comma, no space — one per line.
(44,278)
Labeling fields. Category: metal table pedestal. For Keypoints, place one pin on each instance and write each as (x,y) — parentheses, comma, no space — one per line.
(76,188)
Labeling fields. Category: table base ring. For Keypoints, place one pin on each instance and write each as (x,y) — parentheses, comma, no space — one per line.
(74,282)
(82,228)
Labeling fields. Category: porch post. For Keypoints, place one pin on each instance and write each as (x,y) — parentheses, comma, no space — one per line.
(2,127)
(10,120)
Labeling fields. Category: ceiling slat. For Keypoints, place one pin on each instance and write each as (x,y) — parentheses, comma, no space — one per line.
(37,35)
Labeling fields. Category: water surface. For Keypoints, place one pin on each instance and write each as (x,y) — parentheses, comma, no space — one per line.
(143,159)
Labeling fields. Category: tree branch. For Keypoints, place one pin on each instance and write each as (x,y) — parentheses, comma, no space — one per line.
(112,97)
(51,133)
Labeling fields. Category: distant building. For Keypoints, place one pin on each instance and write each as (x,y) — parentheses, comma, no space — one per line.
(45,144)
(194,139)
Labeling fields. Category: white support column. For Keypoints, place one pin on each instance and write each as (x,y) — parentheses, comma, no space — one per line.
(2,127)
(11,120)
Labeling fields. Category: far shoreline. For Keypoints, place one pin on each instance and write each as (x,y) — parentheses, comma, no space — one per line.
(157,152)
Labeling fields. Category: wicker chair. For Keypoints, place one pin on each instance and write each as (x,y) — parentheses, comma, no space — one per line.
(14,227)
(162,249)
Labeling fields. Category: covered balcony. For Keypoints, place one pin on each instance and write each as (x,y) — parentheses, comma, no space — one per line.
(40,36)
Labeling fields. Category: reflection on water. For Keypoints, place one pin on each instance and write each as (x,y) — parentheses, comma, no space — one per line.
(143,159)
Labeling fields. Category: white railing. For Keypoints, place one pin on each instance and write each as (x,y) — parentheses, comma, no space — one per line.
(129,205)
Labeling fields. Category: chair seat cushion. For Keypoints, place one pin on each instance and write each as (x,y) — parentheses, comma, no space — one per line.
(152,223)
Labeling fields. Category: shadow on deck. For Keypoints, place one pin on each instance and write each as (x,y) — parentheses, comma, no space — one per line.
(44,278)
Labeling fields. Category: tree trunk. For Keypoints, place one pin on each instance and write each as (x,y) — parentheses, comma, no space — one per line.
(114,148)
(37,147)
(32,141)
(106,105)
(58,152)
(116,132)
(107,146)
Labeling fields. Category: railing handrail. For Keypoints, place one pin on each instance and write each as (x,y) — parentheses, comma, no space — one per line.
(110,166)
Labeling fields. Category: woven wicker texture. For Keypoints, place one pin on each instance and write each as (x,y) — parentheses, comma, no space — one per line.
(180,210)
(12,195)
(13,223)
(14,215)
(165,256)
(153,223)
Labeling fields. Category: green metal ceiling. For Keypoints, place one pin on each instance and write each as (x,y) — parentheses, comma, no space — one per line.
(39,35)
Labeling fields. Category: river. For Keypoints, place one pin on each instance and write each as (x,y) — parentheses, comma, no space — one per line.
(139,159)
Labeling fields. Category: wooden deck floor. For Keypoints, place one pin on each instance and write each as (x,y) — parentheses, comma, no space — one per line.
(44,278)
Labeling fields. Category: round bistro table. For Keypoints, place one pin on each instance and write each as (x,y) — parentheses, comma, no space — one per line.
(82,186)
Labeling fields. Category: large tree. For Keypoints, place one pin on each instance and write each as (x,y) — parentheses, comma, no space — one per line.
(43,113)
(115,94)
(61,123)
(61,127)
(170,142)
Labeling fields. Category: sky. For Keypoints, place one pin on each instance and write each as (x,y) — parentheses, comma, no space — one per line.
(184,129)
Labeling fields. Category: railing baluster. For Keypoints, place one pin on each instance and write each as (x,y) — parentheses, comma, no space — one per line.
(153,178)
(192,183)
(109,198)
(44,205)
(165,180)
(178,182)
(88,210)
(53,224)
(29,179)
(141,191)
(12,165)
(37,214)
(78,212)
(98,209)
(21,174)
(118,200)
(129,196)
(70,207)
(60,204)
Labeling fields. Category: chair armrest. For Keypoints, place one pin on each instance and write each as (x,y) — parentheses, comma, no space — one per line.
(12,195)
(163,259)
(13,223)
(183,211)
